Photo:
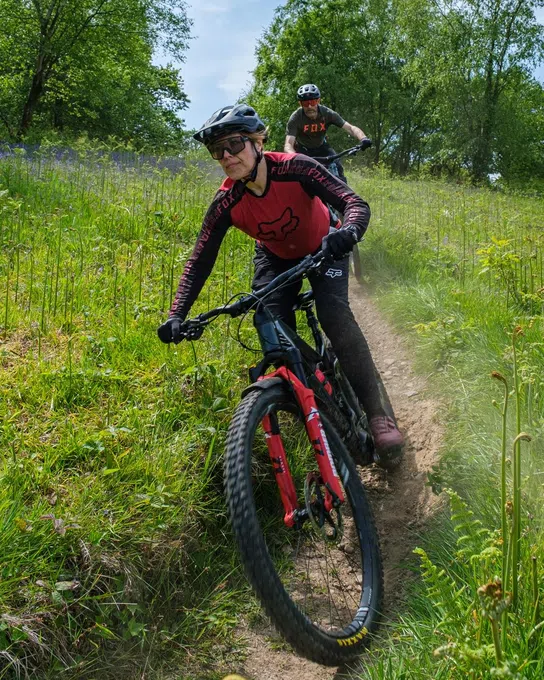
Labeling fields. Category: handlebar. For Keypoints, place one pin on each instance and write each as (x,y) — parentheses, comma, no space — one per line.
(364,144)
(192,329)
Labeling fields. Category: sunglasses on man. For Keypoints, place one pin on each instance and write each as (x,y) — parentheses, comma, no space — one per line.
(309,102)
(233,145)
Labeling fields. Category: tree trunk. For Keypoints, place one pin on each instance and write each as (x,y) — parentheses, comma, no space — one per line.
(34,96)
(481,163)
(482,156)
(377,145)
(379,136)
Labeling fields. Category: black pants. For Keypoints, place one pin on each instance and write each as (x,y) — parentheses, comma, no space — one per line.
(330,287)
(324,149)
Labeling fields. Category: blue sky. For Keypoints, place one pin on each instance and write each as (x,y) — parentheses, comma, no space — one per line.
(221,54)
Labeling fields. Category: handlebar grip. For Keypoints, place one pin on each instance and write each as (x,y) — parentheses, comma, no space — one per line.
(365,144)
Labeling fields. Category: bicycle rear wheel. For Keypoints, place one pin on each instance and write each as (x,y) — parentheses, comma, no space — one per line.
(356,264)
(321,581)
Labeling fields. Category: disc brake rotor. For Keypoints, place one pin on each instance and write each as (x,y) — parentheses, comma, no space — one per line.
(328,524)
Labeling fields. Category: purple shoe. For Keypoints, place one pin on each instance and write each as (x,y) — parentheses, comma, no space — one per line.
(388,442)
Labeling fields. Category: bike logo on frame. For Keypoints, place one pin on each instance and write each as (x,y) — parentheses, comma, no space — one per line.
(314,413)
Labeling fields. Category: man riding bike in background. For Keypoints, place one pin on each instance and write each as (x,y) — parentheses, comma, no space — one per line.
(307,127)
(281,200)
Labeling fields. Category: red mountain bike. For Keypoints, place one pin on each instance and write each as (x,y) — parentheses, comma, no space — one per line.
(330,163)
(300,514)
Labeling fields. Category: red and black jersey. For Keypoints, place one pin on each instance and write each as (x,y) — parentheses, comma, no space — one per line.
(290,218)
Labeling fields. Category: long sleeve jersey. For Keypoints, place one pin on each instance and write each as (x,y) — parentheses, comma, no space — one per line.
(290,218)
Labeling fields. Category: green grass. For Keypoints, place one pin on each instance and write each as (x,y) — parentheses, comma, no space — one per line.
(458,270)
(116,554)
(114,529)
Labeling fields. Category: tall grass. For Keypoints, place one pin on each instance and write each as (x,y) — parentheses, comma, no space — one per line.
(112,518)
(461,271)
(113,539)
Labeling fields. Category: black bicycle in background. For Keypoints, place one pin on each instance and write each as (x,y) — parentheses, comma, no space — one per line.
(300,514)
(330,163)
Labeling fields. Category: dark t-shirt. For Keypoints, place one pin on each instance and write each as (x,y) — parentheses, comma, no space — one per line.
(311,133)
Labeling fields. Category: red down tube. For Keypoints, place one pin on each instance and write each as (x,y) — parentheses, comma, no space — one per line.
(316,434)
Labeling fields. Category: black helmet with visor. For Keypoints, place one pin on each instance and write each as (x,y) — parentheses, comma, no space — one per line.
(239,118)
(231,119)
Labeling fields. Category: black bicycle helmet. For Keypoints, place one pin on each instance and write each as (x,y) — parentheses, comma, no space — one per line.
(308,91)
(239,118)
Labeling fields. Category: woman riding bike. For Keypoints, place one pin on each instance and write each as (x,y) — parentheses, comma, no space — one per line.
(281,200)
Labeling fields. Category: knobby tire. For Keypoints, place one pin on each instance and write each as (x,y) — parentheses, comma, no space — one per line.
(266,544)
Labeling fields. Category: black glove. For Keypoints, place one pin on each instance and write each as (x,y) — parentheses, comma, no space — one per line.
(338,243)
(171,330)
(365,143)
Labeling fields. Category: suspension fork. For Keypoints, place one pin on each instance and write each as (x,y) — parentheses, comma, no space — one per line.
(277,454)
(334,495)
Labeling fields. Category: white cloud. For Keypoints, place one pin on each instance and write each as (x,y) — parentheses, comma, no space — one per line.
(236,70)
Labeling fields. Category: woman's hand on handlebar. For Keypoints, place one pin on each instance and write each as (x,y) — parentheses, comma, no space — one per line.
(338,244)
(175,330)
(170,330)
(365,143)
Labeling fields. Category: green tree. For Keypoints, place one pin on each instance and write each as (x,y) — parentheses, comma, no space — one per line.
(431,81)
(345,47)
(520,132)
(465,57)
(64,60)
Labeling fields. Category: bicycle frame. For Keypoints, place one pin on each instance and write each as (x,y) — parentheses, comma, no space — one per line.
(293,360)
(282,345)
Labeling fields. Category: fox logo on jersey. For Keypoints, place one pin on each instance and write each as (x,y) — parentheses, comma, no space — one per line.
(314,127)
(278,230)
(333,273)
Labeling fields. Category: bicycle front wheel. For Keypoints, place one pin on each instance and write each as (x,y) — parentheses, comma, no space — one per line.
(319,581)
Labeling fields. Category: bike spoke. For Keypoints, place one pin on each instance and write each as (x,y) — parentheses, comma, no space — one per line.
(315,568)
(320,575)
(331,603)
(345,590)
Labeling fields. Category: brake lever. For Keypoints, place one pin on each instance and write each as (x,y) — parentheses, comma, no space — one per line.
(317,265)
(194,328)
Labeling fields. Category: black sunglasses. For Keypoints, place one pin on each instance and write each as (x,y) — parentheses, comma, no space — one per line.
(233,145)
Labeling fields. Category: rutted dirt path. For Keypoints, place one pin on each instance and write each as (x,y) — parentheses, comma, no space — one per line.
(401,500)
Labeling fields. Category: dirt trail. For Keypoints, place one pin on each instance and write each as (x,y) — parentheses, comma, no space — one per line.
(401,500)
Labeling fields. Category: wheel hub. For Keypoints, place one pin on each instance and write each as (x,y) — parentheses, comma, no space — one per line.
(329,524)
